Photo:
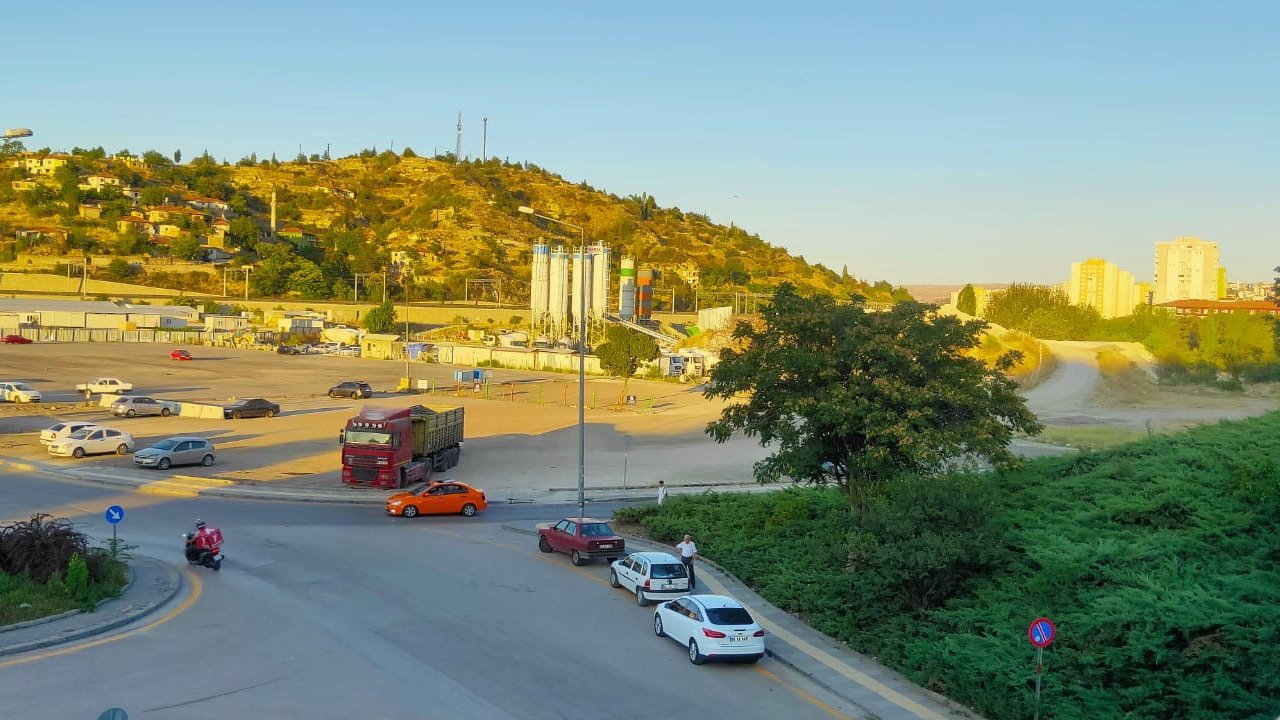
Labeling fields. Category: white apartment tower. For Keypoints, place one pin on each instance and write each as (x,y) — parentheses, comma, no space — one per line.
(1186,269)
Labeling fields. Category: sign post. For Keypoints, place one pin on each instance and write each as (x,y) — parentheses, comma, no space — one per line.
(114,515)
(1041,633)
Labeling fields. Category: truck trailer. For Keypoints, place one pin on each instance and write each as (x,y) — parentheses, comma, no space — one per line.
(396,447)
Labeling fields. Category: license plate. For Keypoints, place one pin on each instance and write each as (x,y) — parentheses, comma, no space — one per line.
(738,638)
(606,546)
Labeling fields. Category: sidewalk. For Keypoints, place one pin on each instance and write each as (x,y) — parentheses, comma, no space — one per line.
(151,584)
(878,691)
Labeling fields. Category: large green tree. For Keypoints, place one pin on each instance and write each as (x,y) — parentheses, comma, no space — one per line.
(381,319)
(967,302)
(622,353)
(185,247)
(858,398)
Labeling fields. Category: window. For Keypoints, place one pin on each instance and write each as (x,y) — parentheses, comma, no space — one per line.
(113,433)
(96,436)
(596,530)
(571,527)
(183,446)
(666,571)
(560,526)
(729,616)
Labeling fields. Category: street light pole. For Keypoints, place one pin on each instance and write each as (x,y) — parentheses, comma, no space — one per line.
(582,356)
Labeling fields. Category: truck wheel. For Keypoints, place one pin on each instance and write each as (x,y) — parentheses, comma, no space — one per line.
(469,510)
(543,545)
(453,456)
(410,511)
(577,558)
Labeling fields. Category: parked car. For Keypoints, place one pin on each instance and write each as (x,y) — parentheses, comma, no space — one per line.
(93,441)
(444,498)
(62,430)
(143,405)
(17,392)
(176,451)
(180,355)
(650,575)
(710,627)
(288,350)
(15,340)
(104,386)
(255,407)
(352,388)
(349,350)
(583,538)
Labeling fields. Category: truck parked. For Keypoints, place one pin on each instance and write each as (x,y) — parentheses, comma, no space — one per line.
(396,447)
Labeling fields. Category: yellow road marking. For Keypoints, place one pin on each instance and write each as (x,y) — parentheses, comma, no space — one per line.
(196,588)
(92,506)
(827,659)
(804,694)
(182,486)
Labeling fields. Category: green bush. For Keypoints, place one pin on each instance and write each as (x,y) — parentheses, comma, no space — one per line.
(77,579)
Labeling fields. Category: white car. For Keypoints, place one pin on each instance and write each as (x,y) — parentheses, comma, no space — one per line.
(710,627)
(93,441)
(18,392)
(62,430)
(105,386)
(650,575)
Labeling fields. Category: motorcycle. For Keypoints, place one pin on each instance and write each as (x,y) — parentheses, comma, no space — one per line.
(211,556)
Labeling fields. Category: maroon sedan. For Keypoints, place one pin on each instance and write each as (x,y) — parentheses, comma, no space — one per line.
(15,340)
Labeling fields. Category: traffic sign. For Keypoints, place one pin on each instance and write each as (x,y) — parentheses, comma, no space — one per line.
(1042,632)
(114,714)
(115,514)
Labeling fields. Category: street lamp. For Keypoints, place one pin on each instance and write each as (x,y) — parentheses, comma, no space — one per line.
(582,355)
(15,133)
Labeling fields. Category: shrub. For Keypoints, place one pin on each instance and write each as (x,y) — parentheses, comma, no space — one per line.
(77,579)
(40,547)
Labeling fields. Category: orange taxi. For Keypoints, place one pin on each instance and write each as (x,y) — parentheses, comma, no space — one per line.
(438,498)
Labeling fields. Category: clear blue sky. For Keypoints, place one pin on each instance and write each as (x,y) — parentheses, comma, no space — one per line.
(914,141)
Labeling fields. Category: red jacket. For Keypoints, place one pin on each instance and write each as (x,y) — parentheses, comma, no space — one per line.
(207,538)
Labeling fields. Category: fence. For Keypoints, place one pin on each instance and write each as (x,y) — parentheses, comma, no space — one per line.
(141,335)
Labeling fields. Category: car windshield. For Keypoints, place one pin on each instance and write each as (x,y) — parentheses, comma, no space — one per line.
(57,428)
(596,530)
(79,435)
(729,616)
(368,437)
(165,444)
(666,571)
(20,386)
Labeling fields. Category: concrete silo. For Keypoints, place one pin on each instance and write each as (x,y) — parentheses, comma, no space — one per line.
(540,285)
(600,285)
(558,292)
(627,290)
(580,289)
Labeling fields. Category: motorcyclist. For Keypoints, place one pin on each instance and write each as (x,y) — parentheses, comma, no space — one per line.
(197,542)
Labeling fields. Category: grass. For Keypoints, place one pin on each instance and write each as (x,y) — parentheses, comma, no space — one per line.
(21,598)
(1090,437)
(1157,560)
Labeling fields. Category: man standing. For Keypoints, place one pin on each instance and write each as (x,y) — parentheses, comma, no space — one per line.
(688,551)
(662,492)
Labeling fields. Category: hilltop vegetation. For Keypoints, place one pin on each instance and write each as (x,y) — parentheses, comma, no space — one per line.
(432,223)
(1157,561)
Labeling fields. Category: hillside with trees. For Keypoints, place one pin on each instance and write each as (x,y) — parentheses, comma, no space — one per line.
(430,223)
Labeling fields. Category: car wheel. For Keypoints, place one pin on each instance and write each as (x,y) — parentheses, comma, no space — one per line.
(164,412)
(576,558)
(333,394)
(469,510)
(77,453)
(753,659)
(235,415)
(613,579)
(410,511)
(207,460)
(657,625)
(122,449)
(164,464)
(543,545)
(130,413)
(640,599)
(271,413)
(695,657)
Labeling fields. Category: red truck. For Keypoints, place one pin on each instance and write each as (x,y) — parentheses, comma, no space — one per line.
(396,447)
(583,538)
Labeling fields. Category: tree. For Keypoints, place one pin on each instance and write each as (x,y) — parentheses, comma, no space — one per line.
(244,231)
(622,352)
(381,319)
(967,302)
(154,195)
(177,157)
(186,247)
(309,281)
(408,153)
(860,398)
(121,270)
(154,160)
(132,242)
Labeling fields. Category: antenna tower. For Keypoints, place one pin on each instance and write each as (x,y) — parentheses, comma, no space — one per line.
(457,153)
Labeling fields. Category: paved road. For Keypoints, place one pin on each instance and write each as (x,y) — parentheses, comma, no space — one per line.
(332,611)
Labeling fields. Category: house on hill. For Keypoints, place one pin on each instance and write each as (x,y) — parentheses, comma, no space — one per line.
(210,205)
(160,213)
(99,181)
(90,211)
(40,234)
(134,223)
(41,165)
(297,236)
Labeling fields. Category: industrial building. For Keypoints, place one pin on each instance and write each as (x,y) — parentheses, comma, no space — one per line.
(16,313)
(564,284)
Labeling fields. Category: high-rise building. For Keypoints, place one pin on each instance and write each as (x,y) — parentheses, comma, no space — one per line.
(1186,269)
(1103,286)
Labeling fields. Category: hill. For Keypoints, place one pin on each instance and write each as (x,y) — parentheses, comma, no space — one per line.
(430,222)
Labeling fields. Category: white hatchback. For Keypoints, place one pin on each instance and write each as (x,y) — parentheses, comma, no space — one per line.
(17,392)
(650,575)
(93,441)
(710,627)
(62,430)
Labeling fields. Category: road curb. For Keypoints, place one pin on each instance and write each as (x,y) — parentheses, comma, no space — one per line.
(171,577)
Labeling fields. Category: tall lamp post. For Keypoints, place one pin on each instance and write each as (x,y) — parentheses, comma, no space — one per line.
(582,355)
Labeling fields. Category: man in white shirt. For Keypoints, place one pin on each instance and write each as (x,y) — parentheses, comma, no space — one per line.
(662,492)
(688,551)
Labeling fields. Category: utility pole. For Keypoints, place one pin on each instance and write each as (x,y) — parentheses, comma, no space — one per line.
(384,287)
(247,269)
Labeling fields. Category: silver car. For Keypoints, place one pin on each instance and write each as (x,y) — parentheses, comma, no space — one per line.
(176,451)
(142,405)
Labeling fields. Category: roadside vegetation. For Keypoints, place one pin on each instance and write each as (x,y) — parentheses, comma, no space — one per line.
(1157,561)
(48,567)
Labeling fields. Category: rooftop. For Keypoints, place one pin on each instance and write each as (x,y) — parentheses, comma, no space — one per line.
(12,305)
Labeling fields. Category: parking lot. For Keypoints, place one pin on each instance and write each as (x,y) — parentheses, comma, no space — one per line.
(521,440)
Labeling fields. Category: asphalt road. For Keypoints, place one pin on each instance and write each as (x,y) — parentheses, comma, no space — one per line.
(338,611)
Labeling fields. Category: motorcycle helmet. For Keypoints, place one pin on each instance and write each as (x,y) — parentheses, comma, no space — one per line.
(199,524)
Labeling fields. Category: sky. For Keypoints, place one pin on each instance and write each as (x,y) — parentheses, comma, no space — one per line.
(915,142)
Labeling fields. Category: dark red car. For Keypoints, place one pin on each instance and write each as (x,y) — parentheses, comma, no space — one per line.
(180,355)
(583,538)
(15,340)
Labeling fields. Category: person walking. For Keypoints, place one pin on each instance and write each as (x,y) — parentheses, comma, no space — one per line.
(688,551)
(662,492)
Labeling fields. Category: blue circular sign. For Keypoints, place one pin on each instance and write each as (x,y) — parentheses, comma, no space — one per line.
(1042,632)
(115,514)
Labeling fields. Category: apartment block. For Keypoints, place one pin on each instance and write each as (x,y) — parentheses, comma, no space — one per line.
(1186,269)
(1103,286)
